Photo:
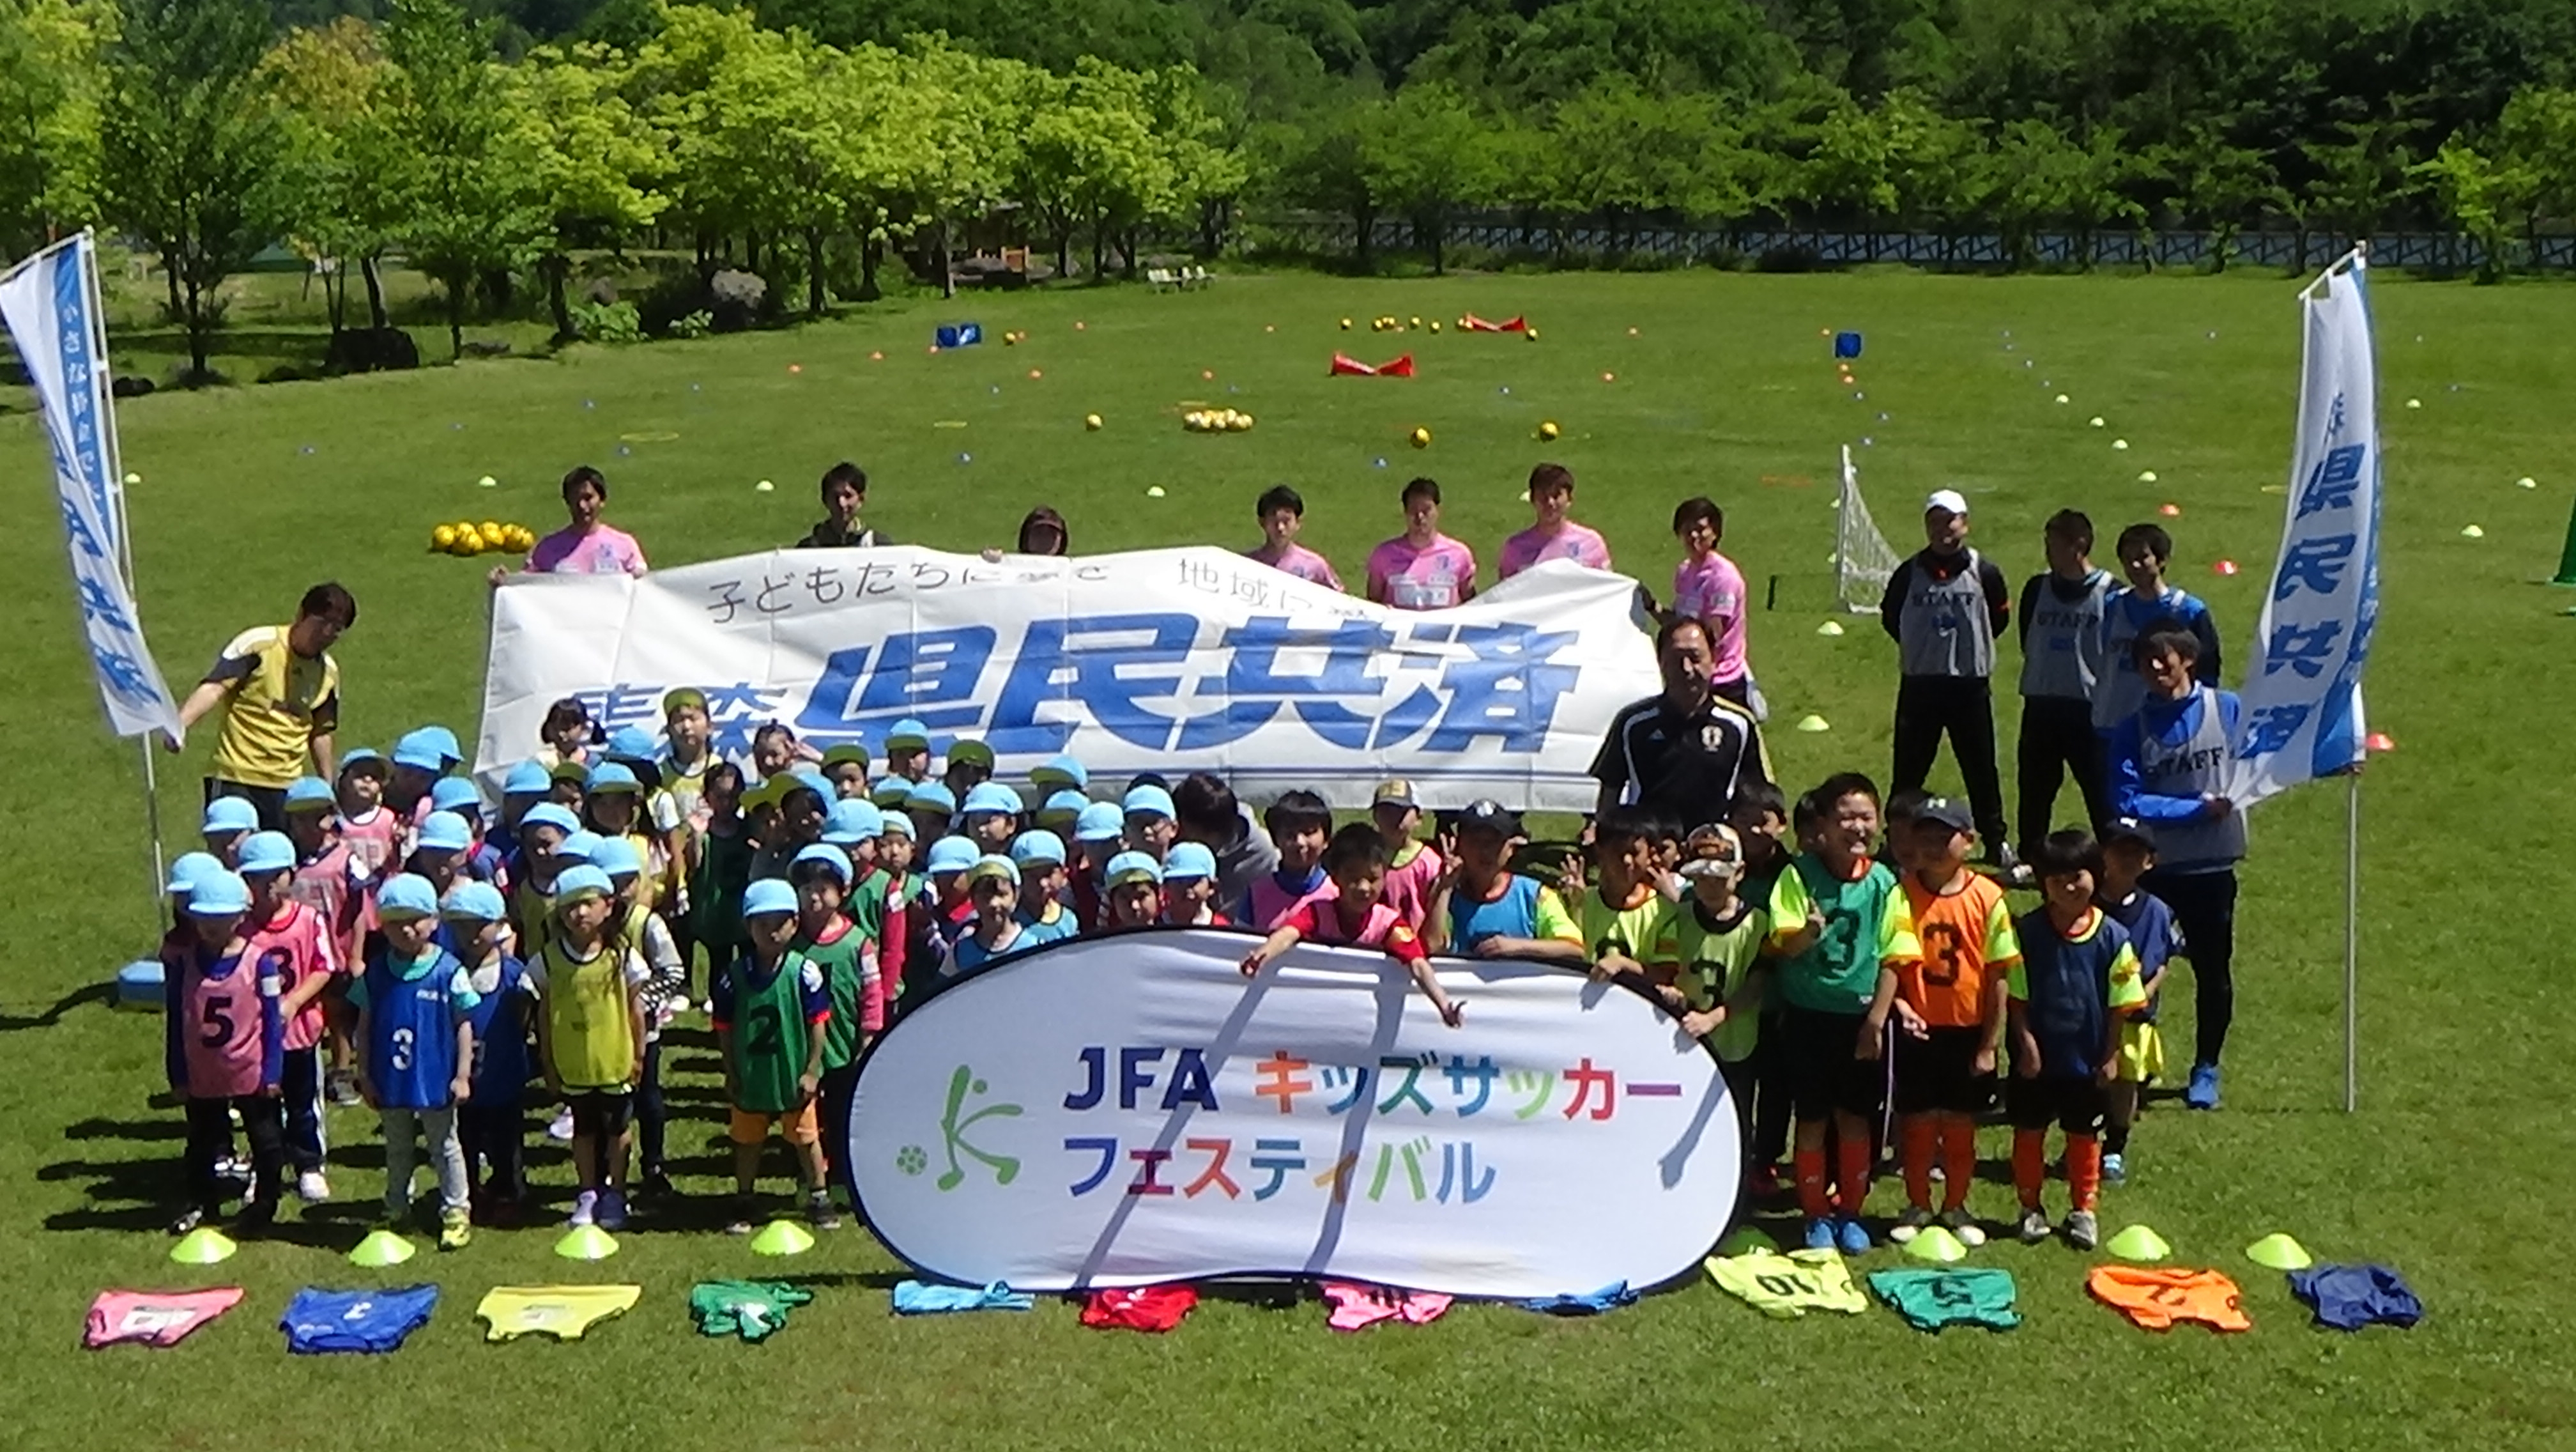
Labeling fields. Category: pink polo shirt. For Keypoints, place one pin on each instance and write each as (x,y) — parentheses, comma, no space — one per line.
(1571,541)
(1711,591)
(1302,562)
(1433,577)
(603,551)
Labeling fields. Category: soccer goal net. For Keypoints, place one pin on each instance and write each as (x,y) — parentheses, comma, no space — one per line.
(1862,558)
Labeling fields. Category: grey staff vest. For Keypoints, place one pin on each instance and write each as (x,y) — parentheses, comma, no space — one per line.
(1943,629)
(2062,652)
(2198,767)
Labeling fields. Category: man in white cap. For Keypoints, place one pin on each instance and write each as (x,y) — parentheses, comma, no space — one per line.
(1945,608)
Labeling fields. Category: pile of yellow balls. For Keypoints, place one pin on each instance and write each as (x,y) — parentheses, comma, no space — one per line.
(1216,421)
(465,539)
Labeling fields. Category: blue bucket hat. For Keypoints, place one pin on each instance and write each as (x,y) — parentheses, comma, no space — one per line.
(951,854)
(825,853)
(1148,801)
(584,881)
(768,897)
(1100,822)
(407,895)
(230,814)
(852,821)
(188,868)
(550,814)
(1036,846)
(1187,862)
(218,894)
(528,779)
(474,902)
(266,852)
(992,796)
(579,846)
(456,794)
(617,857)
(1059,771)
(931,796)
(444,832)
(1129,867)
(307,792)
(907,735)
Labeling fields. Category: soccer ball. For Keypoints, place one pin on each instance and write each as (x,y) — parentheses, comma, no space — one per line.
(1091,421)
(443,537)
(1548,430)
(1421,438)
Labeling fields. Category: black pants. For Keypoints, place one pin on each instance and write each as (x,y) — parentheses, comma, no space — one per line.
(210,1134)
(649,1115)
(2058,740)
(839,1086)
(269,801)
(1963,707)
(299,1099)
(495,1138)
(2204,907)
(1771,1100)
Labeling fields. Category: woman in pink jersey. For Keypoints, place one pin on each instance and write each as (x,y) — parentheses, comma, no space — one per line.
(586,545)
(1708,588)
(1552,535)
(1422,569)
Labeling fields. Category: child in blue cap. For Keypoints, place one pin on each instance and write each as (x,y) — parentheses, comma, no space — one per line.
(288,940)
(416,1052)
(831,940)
(590,1037)
(325,880)
(459,795)
(993,929)
(1040,854)
(990,817)
(899,887)
(771,1014)
(932,806)
(1097,835)
(1132,890)
(1189,887)
(907,748)
(224,1046)
(228,820)
(490,1125)
(1151,824)
(438,852)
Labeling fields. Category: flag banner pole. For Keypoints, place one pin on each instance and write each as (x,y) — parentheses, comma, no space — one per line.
(2352,945)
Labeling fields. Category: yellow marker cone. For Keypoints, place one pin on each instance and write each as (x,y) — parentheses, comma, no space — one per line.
(2147,476)
(487,482)
(2137,1242)
(382,1248)
(2472,532)
(586,1242)
(203,1246)
(2278,1251)
(782,1237)
(1830,627)
(1153,491)
(1813,723)
(1935,1243)
(1745,1241)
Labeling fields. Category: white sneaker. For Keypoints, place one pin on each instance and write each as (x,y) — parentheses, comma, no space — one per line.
(561,1129)
(585,1209)
(2034,1226)
(1965,1227)
(311,1188)
(1909,1225)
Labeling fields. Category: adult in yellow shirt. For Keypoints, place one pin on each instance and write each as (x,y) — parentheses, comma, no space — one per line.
(280,694)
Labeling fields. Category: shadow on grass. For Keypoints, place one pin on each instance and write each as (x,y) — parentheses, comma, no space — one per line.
(103,993)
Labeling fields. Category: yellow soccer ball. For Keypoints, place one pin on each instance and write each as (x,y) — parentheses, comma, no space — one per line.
(1547,430)
(489,530)
(1531,335)
(1435,325)
(1346,325)
(1091,421)
(1422,438)
(442,537)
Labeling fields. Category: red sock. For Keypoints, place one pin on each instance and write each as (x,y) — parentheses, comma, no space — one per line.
(1810,1165)
(1916,1134)
(1958,1159)
(2084,1169)
(2030,1164)
(1851,1172)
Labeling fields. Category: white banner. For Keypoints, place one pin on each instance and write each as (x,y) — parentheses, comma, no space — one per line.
(2302,696)
(1128,1110)
(1172,660)
(50,302)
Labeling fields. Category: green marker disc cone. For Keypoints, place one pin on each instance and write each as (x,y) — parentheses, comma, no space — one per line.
(1745,1240)
(586,1242)
(2137,1242)
(1813,723)
(1935,1243)
(203,1246)
(782,1237)
(1830,627)
(2279,1252)
(382,1248)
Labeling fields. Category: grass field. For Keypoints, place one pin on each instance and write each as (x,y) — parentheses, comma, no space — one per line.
(2453,1171)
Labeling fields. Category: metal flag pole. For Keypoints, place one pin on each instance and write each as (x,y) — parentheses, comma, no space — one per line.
(2352,945)
(124,538)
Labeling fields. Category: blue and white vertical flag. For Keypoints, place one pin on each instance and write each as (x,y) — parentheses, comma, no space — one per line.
(50,302)
(2302,695)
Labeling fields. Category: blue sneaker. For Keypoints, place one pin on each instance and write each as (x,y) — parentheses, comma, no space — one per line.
(1820,1234)
(612,1210)
(1852,1236)
(2203,1090)
(2115,1169)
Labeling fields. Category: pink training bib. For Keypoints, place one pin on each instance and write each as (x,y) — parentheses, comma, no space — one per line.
(154,1318)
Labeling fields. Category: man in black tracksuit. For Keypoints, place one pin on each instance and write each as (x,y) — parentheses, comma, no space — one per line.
(1945,608)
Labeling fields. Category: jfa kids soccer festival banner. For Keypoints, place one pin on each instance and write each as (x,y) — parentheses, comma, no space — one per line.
(1171,660)
(1127,1110)
(2302,698)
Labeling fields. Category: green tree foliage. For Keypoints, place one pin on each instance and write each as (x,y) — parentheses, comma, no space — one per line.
(50,85)
(337,188)
(463,160)
(187,149)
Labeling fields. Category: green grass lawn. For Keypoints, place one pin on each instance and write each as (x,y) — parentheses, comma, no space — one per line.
(2452,1172)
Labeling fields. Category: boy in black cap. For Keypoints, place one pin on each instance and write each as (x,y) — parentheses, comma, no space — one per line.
(2129,853)
(1482,909)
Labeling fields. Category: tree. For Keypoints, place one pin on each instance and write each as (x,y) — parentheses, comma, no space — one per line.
(2217,183)
(336,186)
(594,159)
(2484,195)
(1429,156)
(50,83)
(467,207)
(186,152)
